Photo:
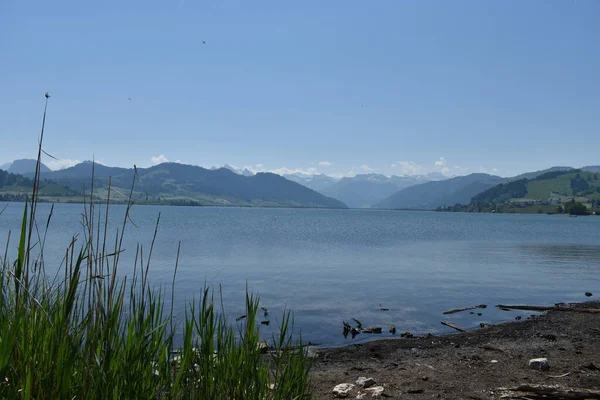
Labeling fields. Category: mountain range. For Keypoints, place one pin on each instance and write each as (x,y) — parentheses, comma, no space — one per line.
(461,190)
(176,183)
(362,190)
(227,185)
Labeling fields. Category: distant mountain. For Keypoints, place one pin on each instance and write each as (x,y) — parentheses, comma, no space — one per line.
(434,194)
(314,182)
(365,190)
(179,183)
(84,170)
(436,176)
(410,180)
(79,176)
(244,172)
(5,167)
(24,166)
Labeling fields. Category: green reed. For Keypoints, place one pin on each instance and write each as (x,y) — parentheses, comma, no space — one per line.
(96,333)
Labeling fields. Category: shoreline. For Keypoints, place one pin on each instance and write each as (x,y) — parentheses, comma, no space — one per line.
(477,364)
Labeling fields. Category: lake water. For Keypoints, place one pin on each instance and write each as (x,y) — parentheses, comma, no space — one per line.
(333,265)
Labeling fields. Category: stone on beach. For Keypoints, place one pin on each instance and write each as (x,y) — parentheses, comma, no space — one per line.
(376,391)
(343,390)
(540,364)
(365,382)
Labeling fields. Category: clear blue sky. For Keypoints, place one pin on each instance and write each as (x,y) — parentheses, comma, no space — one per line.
(506,86)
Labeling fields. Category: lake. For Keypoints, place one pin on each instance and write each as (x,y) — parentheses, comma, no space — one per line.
(329,266)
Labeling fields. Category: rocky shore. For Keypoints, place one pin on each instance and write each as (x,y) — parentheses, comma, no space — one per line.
(494,362)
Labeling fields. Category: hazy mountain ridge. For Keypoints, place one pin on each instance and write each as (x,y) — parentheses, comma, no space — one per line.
(24,166)
(365,190)
(434,194)
(244,172)
(316,182)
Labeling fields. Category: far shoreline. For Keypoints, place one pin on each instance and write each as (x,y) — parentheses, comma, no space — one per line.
(274,207)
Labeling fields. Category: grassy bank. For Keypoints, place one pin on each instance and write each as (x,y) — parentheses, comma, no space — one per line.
(95,332)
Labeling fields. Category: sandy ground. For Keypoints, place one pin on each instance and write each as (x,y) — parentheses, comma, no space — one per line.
(478,364)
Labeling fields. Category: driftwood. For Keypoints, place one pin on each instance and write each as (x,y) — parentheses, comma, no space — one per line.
(525,308)
(558,376)
(454,326)
(555,392)
(546,308)
(373,329)
(464,309)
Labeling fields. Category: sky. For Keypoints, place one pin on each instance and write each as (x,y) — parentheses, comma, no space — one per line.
(335,87)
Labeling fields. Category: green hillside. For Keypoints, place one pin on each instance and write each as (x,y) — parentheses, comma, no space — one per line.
(17,187)
(544,193)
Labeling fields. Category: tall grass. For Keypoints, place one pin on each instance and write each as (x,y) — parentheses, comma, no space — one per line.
(98,333)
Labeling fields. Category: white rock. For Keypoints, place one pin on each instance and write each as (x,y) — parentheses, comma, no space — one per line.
(365,382)
(494,361)
(375,391)
(360,395)
(343,389)
(541,364)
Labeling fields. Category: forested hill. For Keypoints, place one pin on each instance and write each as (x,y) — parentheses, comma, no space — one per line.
(176,183)
(16,187)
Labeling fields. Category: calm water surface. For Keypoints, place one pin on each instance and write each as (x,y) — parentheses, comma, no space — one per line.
(333,265)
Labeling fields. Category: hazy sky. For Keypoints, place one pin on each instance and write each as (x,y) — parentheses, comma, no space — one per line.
(338,87)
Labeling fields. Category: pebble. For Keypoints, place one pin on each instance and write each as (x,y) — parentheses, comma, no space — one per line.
(376,391)
(343,390)
(494,361)
(365,382)
(540,364)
